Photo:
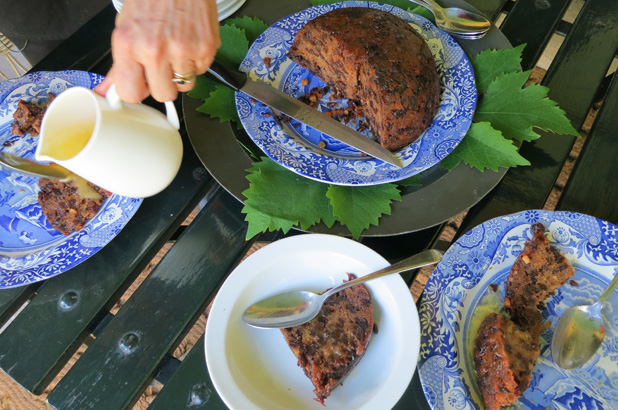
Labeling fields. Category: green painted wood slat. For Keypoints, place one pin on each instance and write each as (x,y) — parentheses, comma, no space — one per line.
(595,169)
(117,366)
(489,8)
(190,387)
(12,299)
(573,79)
(541,18)
(94,285)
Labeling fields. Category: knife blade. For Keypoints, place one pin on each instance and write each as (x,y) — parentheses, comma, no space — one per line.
(274,98)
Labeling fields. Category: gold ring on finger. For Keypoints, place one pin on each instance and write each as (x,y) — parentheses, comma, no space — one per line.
(183,79)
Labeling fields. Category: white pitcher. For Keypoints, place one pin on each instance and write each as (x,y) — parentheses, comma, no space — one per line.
(128,149)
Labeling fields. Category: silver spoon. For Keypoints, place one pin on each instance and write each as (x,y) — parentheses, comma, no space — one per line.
(295,308)
(580,332)
(471,36)
(25,166)
(455,19)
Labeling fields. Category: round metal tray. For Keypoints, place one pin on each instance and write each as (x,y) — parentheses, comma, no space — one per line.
(442,196)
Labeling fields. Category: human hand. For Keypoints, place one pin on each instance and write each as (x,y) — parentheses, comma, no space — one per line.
(153,39)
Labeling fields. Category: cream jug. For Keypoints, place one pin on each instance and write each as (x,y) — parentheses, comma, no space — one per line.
(128,149)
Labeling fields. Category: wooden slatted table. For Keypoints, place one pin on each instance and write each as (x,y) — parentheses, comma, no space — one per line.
(133,347)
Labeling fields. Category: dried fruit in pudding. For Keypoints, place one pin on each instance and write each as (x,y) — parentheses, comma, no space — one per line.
(69,205)
(28,116)
(505,350)
(504,356)
(376,58)
(539,270)
(330,345)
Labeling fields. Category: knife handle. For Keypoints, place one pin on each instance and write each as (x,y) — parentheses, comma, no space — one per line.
(231,78)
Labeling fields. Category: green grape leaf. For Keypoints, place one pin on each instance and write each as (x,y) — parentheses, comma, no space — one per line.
(220,104)
(414,180)
(490,63)
(484,148)
(284,195)
(252,26)
(515,111)
(204,86)
(421,11)
(359,207)
(261,222)
(234,46)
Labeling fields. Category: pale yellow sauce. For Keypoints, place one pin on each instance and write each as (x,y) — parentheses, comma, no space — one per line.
(65,143)
(83,188)
(492,302)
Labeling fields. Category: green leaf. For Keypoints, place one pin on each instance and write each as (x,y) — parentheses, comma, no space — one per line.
(261,222)
(286,196)
(220,104)
(484,148)
(414,180)
(514,110)
(328,218)
(234,46)
(357,207)
(490,63)
(421,11)
(204,86)
(402,4)
(252,26)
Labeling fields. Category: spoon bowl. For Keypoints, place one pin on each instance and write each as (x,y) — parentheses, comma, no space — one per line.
(297,307)
(468,36)
(580,332)
(455,20)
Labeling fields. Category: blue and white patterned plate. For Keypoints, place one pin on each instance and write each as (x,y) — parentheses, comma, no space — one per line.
(296,146)
(457,297)
(30,249)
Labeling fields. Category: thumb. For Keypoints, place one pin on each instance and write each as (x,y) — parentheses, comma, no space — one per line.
(104,85)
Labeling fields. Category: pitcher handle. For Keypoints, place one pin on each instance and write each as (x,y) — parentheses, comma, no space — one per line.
(115,102)
(172,114)
(112,97)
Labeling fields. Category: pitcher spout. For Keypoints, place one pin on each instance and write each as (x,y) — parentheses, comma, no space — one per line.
(67,126)
(42,151)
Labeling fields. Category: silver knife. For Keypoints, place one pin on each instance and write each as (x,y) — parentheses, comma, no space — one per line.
(271,96)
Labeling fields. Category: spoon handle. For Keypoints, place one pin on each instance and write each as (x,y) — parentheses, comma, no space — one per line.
(424,258)
(25,166)
(423,3)
(433,5)
(610,289)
